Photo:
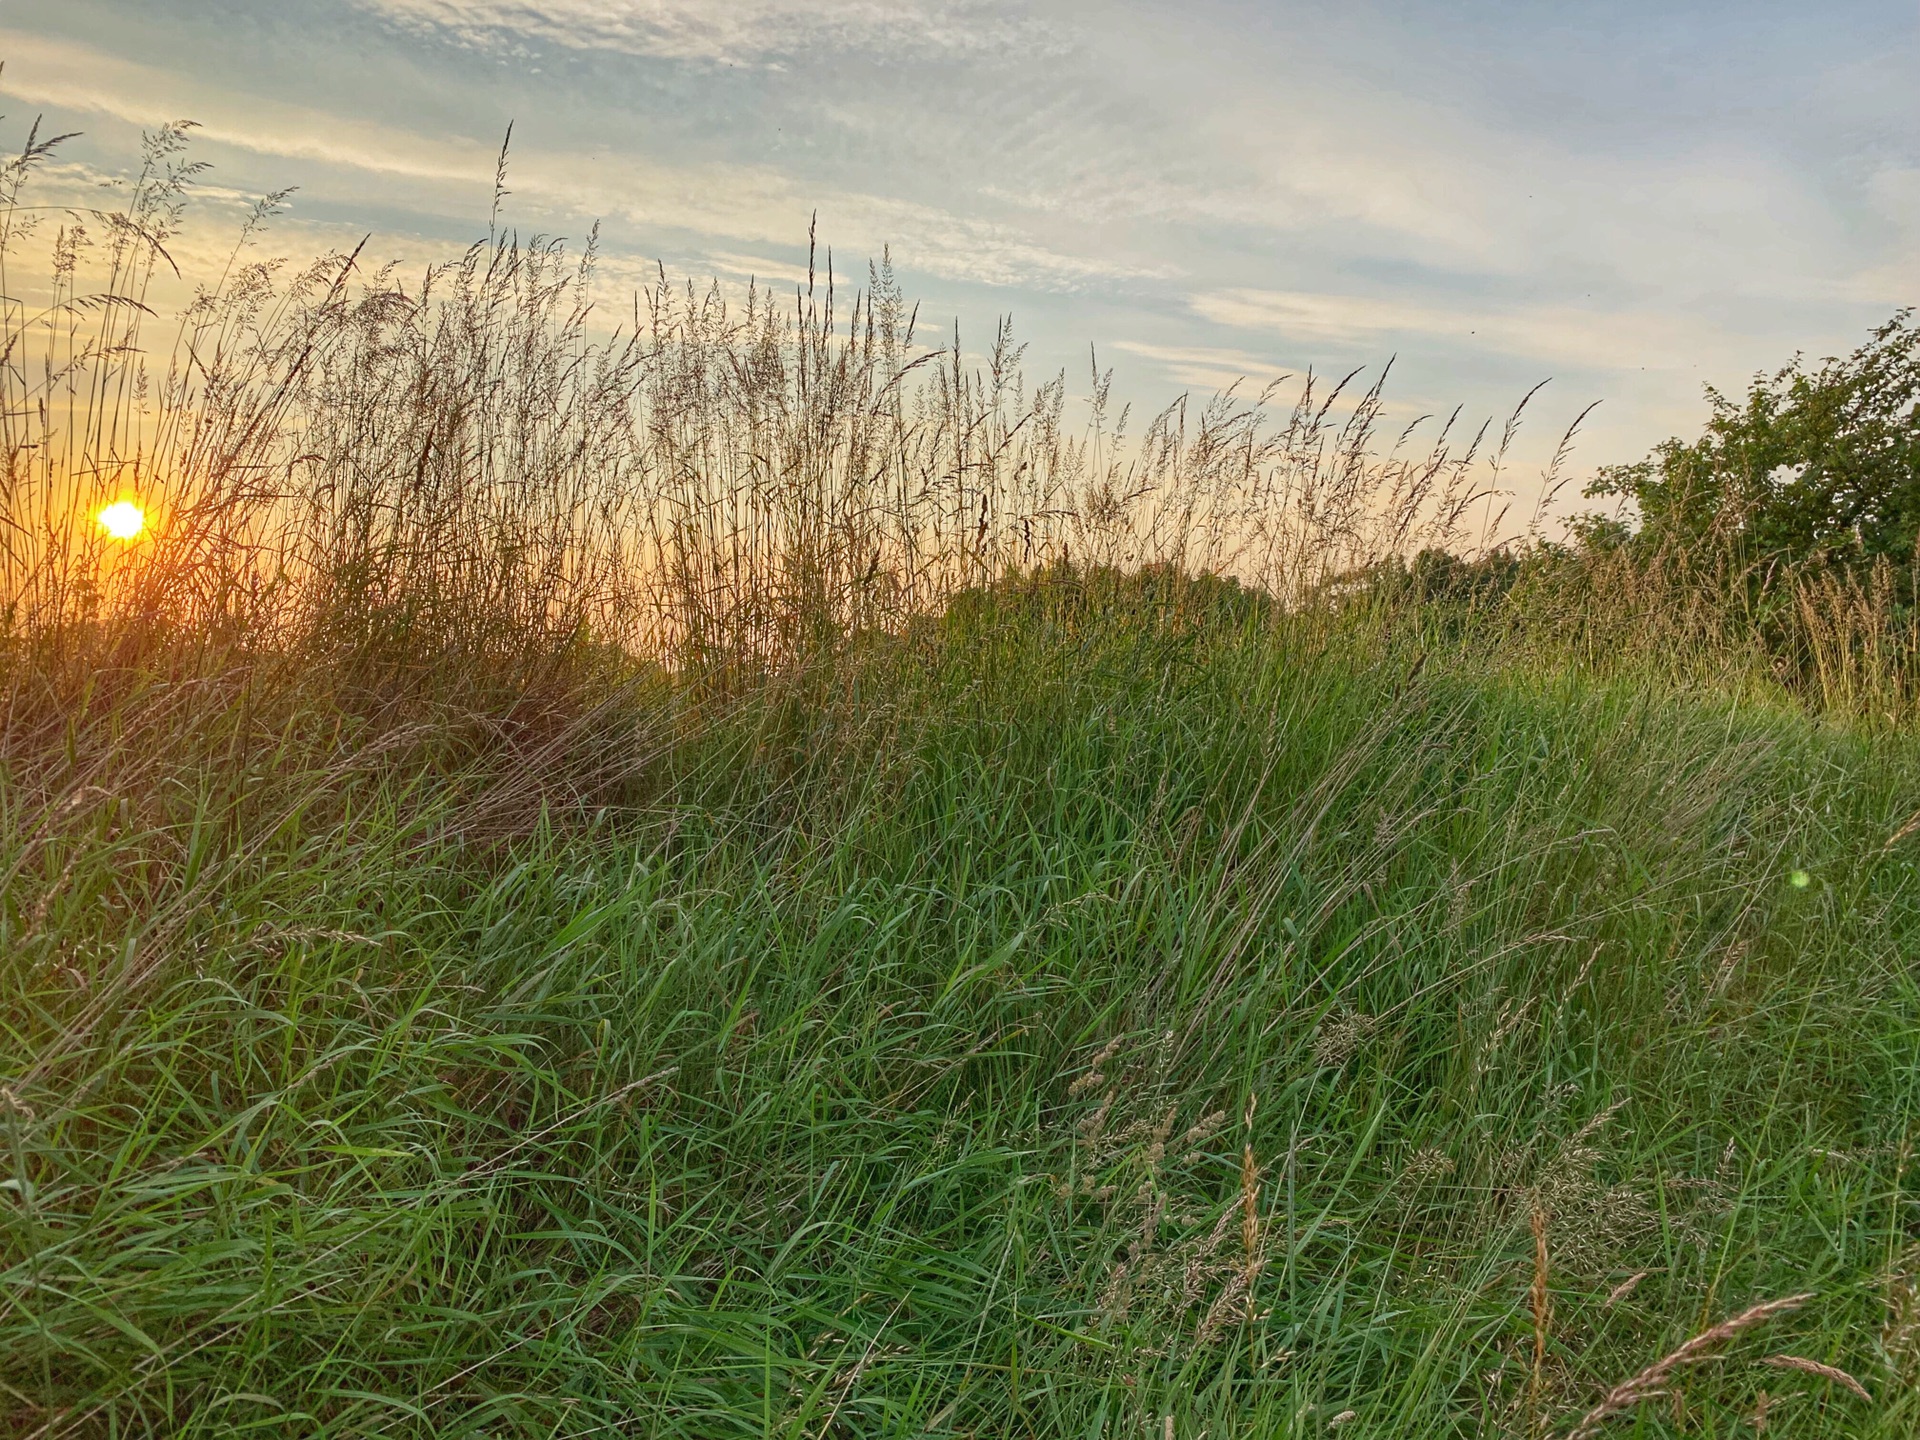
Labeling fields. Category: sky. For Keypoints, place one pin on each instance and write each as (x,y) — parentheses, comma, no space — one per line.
(1626,199)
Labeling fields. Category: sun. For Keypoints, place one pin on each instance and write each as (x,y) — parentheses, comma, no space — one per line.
(123,520)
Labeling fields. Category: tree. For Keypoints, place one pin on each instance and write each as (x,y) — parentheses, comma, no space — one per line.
(1820,465)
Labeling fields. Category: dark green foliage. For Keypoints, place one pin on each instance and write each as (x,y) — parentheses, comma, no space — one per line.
(1816,464)
(1440,576)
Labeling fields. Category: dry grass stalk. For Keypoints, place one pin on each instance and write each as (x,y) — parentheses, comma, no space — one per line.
(1541,1300)
(1093,1076)
(1900,1331)
(1910,828)
(1657,1378)
(1235,1300)
(1814,1367)
(1625,1288)
(1249,1196)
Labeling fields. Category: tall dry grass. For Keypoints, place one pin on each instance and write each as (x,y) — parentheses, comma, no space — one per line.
(453,492)
(450,479)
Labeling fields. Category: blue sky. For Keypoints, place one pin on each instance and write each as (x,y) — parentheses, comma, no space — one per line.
(1630,199)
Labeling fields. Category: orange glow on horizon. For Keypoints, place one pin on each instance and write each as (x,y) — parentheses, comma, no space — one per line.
(123,520)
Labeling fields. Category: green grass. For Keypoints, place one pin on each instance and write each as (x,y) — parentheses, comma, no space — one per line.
(825,1086)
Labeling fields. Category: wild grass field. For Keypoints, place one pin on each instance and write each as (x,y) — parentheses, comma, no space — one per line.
(752,875)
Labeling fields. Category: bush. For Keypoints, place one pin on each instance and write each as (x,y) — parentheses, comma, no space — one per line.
(1820,465)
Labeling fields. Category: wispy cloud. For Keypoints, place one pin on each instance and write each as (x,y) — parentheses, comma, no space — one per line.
(759,205)
(1203,367)
(47,71)
(1549,334)
(722,202)
(722,31)
(757,267)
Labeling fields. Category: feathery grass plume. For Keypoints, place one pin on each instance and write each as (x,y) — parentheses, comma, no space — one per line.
(1625,1288)
(1249,1195)
(1540,1299)
(1815,1367)
(1657,1378)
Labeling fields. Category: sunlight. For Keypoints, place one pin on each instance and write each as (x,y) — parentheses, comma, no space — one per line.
(123,520)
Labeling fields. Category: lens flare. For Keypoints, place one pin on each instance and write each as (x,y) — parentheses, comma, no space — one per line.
(123,520)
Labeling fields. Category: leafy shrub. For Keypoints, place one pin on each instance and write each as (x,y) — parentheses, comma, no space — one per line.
(1819,464)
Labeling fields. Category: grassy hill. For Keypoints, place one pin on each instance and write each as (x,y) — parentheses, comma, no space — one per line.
(1061,1020)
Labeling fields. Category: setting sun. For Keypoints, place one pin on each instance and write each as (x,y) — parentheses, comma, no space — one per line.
(123,520)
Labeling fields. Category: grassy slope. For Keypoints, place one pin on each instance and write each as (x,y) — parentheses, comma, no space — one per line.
(776,1112)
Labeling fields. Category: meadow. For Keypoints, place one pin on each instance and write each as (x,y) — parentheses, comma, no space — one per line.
(746,873)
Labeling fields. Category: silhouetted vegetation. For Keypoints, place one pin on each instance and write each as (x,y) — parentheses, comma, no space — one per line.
(1817,464)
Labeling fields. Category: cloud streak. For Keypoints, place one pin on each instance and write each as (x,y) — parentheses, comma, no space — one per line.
(753,32)
(80,78)
(1548,334)
(731,204)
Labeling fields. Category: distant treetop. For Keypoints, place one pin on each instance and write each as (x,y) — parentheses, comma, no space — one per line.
(1820,464)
